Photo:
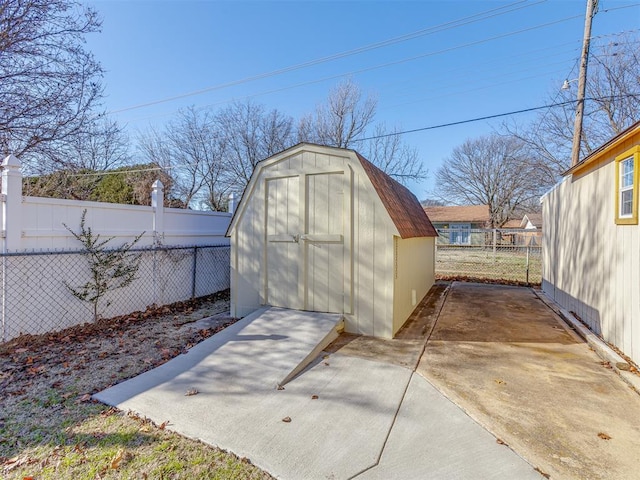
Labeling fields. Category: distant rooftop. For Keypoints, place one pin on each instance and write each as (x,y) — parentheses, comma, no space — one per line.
(465,213)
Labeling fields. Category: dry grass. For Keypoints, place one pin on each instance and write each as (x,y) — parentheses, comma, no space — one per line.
(506,265)
(50,428)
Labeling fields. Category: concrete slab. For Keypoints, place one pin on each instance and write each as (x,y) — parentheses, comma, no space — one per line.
(434,438)
(239,409)
(504,357)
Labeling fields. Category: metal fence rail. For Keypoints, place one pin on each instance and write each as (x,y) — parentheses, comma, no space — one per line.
(36,288)
(490,254)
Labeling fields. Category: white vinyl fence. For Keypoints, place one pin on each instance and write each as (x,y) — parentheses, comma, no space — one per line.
(182,253)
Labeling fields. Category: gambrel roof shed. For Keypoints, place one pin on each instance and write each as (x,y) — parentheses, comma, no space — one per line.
(321,228)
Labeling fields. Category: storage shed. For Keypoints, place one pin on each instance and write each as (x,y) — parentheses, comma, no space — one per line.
(322,229)
(591,238)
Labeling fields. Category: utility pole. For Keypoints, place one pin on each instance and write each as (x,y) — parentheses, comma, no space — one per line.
(592,6)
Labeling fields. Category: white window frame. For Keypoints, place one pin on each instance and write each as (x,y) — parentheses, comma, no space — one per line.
(626,188)
(461,229)
(633,155)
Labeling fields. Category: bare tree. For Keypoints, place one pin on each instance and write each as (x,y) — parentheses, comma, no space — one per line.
(345,120)
(103,147)
(49,84)
(492,170)
(612,104)
(340,121)
(191,148)
(251,134)
(389,153)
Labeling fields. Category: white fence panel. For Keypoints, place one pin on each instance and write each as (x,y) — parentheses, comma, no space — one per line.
(34,223)
(34,297)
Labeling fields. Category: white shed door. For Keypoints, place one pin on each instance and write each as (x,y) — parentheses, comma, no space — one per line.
(305,247)
(283,251)
(324,243)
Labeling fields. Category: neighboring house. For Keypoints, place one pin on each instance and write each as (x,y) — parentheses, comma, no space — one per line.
(527,231)
(591,239)
(531,221)
(322,229)
(456,223)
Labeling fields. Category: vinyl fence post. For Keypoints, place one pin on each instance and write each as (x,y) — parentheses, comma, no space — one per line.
(11,223)
(157,202)
(11,204)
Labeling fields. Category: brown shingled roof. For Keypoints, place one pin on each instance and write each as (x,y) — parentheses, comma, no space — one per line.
(465,213)
(402,205)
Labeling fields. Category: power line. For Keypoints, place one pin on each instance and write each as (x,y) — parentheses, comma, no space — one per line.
(414,130)
(403,38)
(388,64)
(497,115)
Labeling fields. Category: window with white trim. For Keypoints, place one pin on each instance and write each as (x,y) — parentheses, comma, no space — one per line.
(627,166)
(626,188)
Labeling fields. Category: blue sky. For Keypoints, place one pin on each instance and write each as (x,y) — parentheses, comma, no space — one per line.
(469,58)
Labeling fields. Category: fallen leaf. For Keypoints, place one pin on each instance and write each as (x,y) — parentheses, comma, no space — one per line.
(85,398)
(21,350)
(545,475)
(163,425)
(109,412)
(115,462)
(191,391)
(280,387)
(165,352)
(604,436)
(499,441)
(326,363)
(35,370)
(314,397)
(286,419)
(500,382)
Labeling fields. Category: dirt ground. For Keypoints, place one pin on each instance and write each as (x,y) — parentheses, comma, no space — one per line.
(504,357)
(51,428)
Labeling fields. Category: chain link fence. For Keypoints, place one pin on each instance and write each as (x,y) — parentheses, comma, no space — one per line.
(36,289)
(506,255)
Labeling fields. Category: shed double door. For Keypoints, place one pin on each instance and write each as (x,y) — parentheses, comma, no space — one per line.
(306,249)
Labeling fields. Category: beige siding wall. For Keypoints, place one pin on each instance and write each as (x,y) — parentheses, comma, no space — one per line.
(373,264)
(368,246)
(414,276)
(247,245)
(591,266)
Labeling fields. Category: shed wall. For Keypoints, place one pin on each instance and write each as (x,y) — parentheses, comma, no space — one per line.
(591,266)
(369,237)
(414,276)
(373,264)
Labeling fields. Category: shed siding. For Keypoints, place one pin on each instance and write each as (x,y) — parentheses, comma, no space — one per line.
(411,253)
(373,265)
(362,266)
(369,237)
(591,265)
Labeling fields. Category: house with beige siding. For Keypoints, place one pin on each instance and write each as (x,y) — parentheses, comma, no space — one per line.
(322,229)
(591,241)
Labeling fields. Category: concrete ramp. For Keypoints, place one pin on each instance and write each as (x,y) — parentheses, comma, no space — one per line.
(262,351)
